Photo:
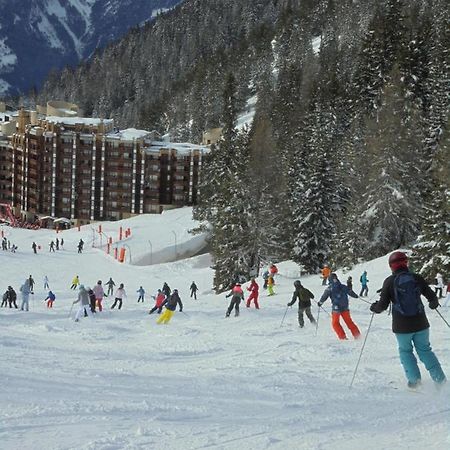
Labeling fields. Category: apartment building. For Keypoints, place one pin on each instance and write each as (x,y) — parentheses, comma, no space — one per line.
(85,169)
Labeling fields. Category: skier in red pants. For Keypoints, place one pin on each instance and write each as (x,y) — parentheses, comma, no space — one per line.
(254,291)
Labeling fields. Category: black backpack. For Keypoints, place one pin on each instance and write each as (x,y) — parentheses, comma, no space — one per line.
(407,295)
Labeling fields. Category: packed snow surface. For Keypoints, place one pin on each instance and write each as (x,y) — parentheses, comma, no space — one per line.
(203,381)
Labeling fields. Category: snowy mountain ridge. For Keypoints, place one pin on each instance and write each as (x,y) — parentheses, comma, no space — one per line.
(37,36)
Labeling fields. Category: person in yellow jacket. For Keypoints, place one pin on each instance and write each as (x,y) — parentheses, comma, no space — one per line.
(75,282)
(270,285)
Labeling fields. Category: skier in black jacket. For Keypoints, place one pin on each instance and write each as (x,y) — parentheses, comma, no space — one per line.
(171,305)
(304,297)
(409,321)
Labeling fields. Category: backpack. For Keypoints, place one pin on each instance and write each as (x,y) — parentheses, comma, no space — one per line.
(407,295)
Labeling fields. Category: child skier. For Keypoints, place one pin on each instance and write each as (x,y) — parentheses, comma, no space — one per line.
(171,305)
(265,276)
(50,299)
(75,282)
(141,293)
(159,300)
(236,294)
(254,291)
(304,297)
(339,299)
(270,285)
(120,295)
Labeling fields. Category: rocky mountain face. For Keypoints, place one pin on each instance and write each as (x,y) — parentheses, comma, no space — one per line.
(37,36)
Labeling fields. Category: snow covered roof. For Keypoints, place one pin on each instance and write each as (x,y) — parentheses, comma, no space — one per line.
(180,147)
(78,120)
(128,134)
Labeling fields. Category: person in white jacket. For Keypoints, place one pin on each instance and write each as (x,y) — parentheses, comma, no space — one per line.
(438,288)
(99,294)
(120,295)
(83,300)
(25,290)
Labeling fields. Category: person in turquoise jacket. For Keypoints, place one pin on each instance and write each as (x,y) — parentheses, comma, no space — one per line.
(364,288)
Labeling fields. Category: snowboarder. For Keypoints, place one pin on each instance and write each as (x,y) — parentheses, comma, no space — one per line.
(265,278)
(75,282)
(171,305)
(166,290)
(141,293)
(83,300)
(439,285)
(80,246)
(364,288)
(46,286)
(34,247)
(99,294)
(50,299)
(236,294)
(26,291)
(270,285)
(304,297)
(52,246)
(159,300)
(194,290)
(409,321)
(31,283)
(339,299)
(110,285)
(254,292)
(326,272)
(120,295)
(12,297)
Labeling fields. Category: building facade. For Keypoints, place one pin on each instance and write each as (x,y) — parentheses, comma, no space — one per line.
(85,170)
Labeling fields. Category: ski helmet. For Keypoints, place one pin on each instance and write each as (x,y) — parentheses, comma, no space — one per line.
(398,260)
(297,283)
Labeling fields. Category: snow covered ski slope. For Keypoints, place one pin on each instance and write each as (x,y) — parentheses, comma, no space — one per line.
(120,381)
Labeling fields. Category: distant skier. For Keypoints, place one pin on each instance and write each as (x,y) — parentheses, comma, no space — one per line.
(171,305)
(194,290)
(31,284)
(339,299)
(99,294)
(304,297)
(350,283)
(409,321)
(265,276)
(5,299)
(254,293)
(364,288)
(83,300)
(119,296)
(25,291)
(270,285)
(80,246)
(46,286)
(159,301)
(326,272)
(52,246)
(50,299)
(110,285)
(141,293)
(75,282)
(34,247)
(166,290)
(57,244)
(236,294)
(62,243)
(439,285)
(12,297)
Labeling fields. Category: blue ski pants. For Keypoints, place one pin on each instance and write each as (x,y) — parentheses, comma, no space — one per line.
(420,340)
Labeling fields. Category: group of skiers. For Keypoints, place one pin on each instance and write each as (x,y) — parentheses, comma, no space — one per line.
(6,245)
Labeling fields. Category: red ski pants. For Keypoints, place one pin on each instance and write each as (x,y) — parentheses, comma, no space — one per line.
(99,304)
(335,323)
(253,297)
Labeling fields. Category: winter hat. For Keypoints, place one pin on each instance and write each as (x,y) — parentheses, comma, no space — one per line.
(398,260)
(297,283)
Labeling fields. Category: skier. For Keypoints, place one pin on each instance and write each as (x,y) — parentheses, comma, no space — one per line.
(52,246)
(270,285)
(350,283)
(159,300)
(92,300)
(80,246)
(62,243)
(12,297)
(339,299)
(57,244)
(265,276)
(31,283)
(5,299)
(46,286)
(141,293)
(50,299)
(34,247)
(273,269)
(194,290)
(110,285)
(304,297)
(439,285)
(364,288)
(120,295)
(83,300)
(409,322)
(171,305)
(4,244)
(254,292)
(99,294)
(326,271)
(166,290)
(75,282)
(236,294)
(26,291)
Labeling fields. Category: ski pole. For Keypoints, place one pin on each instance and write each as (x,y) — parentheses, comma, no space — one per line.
(365,301)
(282,320)
(317,321)
(442,317)
(182,312)
(325,310)
(362,349)
(70,313)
